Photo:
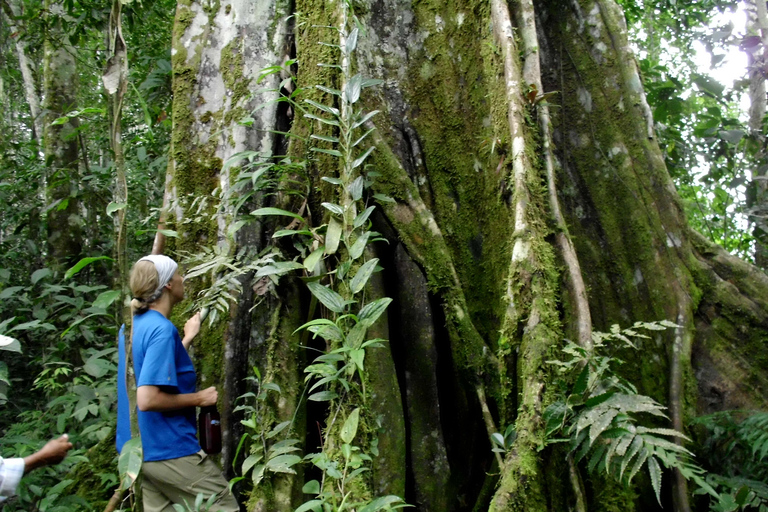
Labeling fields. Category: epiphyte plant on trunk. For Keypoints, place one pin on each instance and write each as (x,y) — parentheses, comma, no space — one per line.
(338,376)
(596,416)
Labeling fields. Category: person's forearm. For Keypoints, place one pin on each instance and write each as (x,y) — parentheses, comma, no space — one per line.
(152,398)
(33,461)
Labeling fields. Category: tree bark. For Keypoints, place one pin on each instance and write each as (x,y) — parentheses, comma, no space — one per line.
(60,83)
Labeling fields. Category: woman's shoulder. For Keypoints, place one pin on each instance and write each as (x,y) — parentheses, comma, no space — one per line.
(154,324)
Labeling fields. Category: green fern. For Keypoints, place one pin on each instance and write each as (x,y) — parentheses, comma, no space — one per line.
(600,417)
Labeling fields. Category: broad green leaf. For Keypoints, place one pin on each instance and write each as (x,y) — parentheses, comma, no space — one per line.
(332,181)
(356,188)
(370,82)
(325,108)
(332,152)
(97,367)
(333,208)
(279,268)
(382,503)
(554,416)
(358,357)
(323,396)
(383,198)
(168,232)
(334,92)
(372,311)
(363,216)
(288,232)
(363,137)
(129,462)
(363,274)
(113,207)
(333,236)
(709,85)
(352,91)
(359,160)
(39,274)
(319,321)
(311,487)
(731,136)
(80,265)
(105,299)
(10,292)
(251,461)
(9,344)
(352,41)
(356,335)
(278,428)
(364,119)
(60,120)
(250,155)
(349,429)
(327,297)
(32,324)
(325,138)
(276,211)
(359,246)
(331,122)
(311,261)
(314,505)
(327,332)
(726,503)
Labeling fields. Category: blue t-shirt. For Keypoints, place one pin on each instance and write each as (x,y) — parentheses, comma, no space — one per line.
(123,416)
(159,359)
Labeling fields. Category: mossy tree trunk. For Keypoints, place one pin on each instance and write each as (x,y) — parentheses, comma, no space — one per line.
(515,225)
(61,144)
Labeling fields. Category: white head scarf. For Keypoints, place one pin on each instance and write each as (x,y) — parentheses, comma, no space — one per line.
(166,267)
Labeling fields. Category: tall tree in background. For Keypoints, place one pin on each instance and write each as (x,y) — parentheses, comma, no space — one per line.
(478,255)
(757,51)
(61,142)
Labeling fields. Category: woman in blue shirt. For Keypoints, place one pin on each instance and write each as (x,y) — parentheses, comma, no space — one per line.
(175,469)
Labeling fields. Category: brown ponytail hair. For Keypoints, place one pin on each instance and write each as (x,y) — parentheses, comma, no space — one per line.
(143,283)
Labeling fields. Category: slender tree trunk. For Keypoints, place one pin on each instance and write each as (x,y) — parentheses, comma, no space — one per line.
(12,10)
(61,149)
(757,64)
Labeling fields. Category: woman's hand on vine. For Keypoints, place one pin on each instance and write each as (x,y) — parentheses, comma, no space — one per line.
(191,328)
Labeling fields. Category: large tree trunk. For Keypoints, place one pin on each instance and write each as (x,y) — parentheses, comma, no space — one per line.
(490,206)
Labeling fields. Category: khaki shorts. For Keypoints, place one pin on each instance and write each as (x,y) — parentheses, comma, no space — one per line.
(180,480)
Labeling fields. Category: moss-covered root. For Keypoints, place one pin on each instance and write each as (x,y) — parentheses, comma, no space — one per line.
(388,469)
(532,315)
(417,228)
(282,364)
(579,304)
(429,455)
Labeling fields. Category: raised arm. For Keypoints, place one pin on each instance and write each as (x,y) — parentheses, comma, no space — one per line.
(191,328)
